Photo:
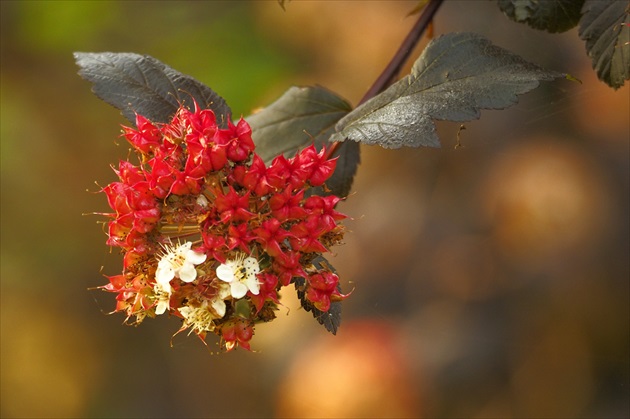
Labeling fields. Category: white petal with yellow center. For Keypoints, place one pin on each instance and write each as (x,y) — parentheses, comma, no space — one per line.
(178,261)
(162,297)
(240,273)
(198,318)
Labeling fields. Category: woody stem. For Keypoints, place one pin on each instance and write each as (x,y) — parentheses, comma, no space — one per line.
(389,74)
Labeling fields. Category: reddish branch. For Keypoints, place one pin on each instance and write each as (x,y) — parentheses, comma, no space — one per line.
(389,74)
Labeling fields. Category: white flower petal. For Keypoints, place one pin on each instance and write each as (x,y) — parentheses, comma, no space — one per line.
(187,272)
(224,291)
(238,289)
(225,272)
(160,287)
(161,307)
(219,307)
(164,273)
(251,265)
(253,287)
(195,258)
(252,284)
(186,311)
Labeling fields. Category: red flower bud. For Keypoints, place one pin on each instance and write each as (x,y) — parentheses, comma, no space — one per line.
(145,138)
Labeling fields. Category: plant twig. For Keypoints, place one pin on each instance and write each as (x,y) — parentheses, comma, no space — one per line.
(388,76)
(390,72)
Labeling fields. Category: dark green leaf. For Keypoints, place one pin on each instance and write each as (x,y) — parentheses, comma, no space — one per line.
(604,27)
(303,116)
(331,319)
(548,15)
(141,84)
(348,161)
(456,76)
(299,117)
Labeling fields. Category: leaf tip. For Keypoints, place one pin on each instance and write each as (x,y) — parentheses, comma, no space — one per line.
(78,56)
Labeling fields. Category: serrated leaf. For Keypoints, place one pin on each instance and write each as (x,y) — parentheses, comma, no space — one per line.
(456,76)
(141,84)
(303,116)
(605,28)
(548,15)
(331,319)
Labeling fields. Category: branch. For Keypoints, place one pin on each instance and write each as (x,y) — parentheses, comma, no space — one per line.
(388,76)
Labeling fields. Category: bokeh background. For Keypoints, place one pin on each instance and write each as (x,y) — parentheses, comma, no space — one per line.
(489,279)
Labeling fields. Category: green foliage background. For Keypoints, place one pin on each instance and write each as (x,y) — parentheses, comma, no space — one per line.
(498,312)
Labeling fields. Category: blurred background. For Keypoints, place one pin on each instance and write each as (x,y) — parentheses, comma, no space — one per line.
(490,279)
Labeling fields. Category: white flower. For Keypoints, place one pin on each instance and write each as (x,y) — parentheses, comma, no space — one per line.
(178,261)
(217,304)
(198,318)
(162,297)
(240,273)
(161,307)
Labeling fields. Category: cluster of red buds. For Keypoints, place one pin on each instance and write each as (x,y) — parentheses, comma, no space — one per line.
(210,234)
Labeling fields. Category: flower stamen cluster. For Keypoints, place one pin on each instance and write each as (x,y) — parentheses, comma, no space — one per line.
(210,234)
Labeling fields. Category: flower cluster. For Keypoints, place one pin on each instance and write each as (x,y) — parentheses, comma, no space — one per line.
(210,234)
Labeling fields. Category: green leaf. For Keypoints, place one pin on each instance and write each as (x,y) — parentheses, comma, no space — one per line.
(548,15)
(300,117)
(141,84)
(347,163)
(605,26)
(456,76)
